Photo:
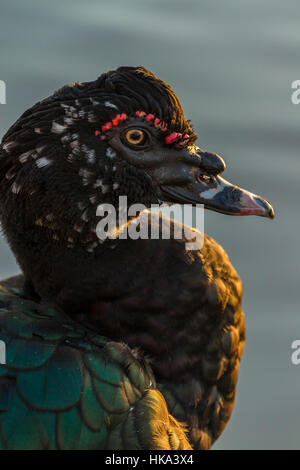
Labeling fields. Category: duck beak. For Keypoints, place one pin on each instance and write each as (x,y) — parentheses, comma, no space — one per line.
(220,196)
(202,184)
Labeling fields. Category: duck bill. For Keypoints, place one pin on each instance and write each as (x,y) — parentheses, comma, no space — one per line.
(219,196)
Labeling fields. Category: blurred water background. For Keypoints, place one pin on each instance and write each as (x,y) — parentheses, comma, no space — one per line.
(232,64)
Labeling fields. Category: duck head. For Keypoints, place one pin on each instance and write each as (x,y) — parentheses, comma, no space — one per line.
(87,144)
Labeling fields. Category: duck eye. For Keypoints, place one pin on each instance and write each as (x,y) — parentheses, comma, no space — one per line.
(135,137)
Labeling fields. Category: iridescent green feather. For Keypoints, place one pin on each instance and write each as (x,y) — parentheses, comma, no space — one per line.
(65,387)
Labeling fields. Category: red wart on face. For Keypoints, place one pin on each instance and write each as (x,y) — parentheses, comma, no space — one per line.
(171,138)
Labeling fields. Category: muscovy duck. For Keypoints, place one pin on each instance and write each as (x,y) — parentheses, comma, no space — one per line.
(121,344)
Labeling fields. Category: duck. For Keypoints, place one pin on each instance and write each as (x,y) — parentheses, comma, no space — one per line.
(116,343)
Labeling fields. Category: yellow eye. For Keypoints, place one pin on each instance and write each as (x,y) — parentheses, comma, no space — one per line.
(135,136)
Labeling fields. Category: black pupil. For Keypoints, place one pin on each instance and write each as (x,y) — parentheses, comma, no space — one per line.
(135,135)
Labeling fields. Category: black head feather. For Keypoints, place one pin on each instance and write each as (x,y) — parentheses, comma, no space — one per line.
(54,171)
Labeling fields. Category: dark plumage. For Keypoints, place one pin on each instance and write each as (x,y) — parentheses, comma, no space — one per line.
(128,335)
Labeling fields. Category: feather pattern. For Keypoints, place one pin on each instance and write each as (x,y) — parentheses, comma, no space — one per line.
(65,387)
